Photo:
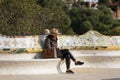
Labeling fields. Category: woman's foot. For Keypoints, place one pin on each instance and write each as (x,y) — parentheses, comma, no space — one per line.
(69,72)
(79,63)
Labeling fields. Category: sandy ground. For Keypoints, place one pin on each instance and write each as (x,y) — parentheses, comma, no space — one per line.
(80,74)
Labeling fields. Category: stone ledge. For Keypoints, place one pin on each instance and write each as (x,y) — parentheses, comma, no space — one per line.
(26,64)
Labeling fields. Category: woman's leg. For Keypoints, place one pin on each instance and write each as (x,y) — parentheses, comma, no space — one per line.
(71,56)
(66,57)
(67,52)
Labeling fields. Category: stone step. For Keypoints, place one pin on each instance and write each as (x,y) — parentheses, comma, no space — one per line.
(27,64)
(76,53)
(43,66)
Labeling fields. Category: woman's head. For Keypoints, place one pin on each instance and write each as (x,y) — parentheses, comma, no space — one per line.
(54,31)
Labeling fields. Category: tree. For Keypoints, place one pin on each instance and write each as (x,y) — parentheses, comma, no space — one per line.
(115,31)
(51,3)
(84,20)
(57,15)
(19,17)
(115,6)
(27,17)
(54,17)
(104,2)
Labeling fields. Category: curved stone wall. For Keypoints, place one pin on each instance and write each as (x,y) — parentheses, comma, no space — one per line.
(89,40)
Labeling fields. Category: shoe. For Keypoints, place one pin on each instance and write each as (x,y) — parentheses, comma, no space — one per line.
(69,72)
(79,63)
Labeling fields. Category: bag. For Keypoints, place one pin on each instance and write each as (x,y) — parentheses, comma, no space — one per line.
(49,53)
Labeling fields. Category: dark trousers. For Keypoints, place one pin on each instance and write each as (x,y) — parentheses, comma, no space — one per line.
(65,54)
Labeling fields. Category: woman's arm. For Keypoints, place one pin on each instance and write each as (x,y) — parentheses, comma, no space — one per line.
(47,43)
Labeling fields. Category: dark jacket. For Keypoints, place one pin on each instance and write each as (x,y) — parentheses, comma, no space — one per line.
(50,42)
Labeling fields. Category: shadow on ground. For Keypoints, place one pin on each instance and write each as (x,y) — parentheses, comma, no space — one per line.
(38,56)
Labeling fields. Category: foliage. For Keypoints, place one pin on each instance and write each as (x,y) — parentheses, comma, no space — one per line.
(27,17)
(56,12)
(19,17)
(31,17)
(51,3)
(97,19)
(115,31)
(103,2)
(55,17)
(117,2)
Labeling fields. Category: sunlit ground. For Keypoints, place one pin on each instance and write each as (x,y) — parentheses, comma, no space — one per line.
(80,74)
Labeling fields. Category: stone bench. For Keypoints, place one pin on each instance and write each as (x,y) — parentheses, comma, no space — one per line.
(33,64)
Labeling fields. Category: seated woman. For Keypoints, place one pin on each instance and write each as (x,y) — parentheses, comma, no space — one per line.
(51,42)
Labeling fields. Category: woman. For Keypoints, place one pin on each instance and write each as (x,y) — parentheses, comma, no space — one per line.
(51,42)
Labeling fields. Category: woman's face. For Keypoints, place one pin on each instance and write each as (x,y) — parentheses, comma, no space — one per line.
(54,36)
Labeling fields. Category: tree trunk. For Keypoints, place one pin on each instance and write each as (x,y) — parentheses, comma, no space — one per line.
(118,12)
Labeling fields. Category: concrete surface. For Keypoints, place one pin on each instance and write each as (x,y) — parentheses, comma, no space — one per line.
(80,74)
(99,65)
(18,64)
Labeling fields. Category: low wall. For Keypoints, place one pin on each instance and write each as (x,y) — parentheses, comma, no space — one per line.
(91,40)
